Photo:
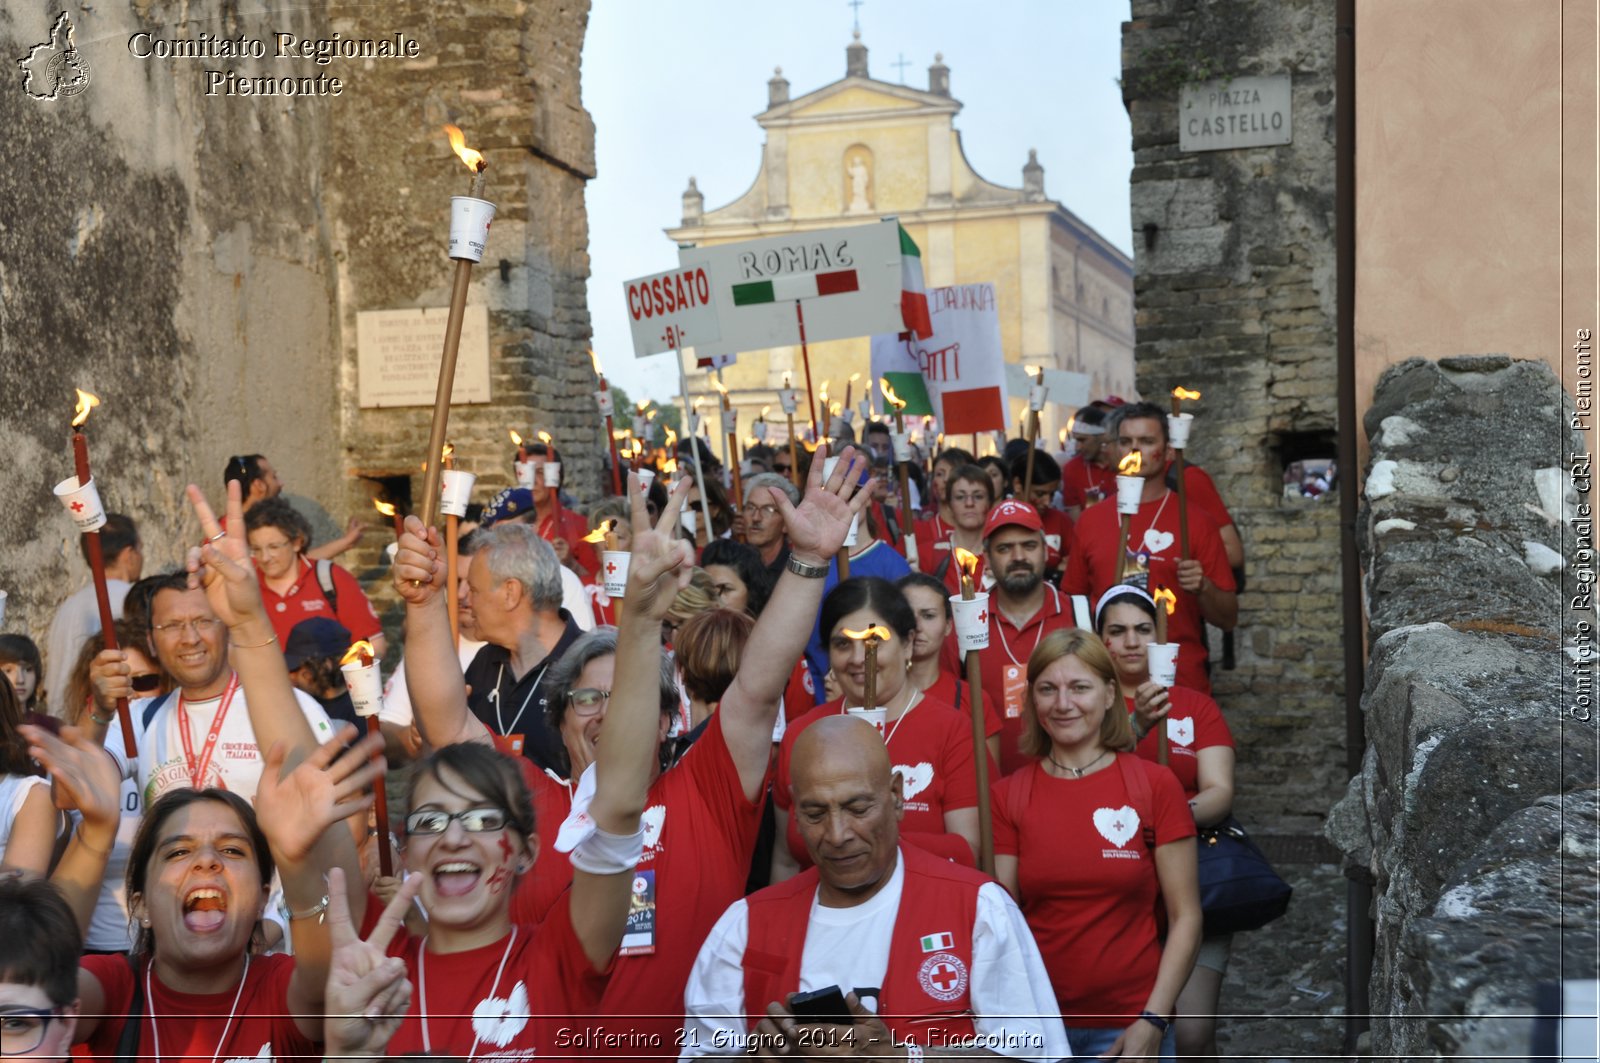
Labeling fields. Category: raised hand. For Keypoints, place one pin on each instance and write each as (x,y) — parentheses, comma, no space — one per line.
(296,806)
(419,566)
(221,564)
(368,994)
(110,676)
(85,776)
(661,562)
(818,526)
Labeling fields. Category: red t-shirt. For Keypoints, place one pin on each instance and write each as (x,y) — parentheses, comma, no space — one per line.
(931,747)
(1088,882)
(699,833)
(1201,491)
(472,1005)
(189,1025)
(1153,558)
(1005,667)
(951,689)
(1194,723)
(538,890)
(1084,484)
(305,600)
(1057,537)
(799,694)
(933,542)
(565,524)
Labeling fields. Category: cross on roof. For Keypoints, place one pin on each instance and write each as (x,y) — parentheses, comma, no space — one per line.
(855,13)
(900,65)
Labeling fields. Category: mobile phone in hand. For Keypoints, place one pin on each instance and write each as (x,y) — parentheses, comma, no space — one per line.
(821,1006)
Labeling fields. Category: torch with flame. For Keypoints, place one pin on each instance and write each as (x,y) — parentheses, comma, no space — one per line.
(1179,394)
(471,158)
(1167,604)
(358,652)
(870,637)
(969,569)
(602,534)
(86,402)
(1131,464)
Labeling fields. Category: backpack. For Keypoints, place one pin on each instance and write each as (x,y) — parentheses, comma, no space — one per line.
(325,581)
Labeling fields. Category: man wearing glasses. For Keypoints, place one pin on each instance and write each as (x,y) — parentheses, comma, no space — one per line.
(763,524)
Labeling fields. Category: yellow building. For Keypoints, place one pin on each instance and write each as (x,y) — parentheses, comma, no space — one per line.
(860,149)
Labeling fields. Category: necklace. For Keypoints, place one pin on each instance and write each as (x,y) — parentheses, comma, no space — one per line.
(1078,773)
(1005,644)
(233,1010)
(422,990)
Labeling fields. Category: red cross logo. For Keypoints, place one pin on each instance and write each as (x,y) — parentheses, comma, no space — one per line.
(611,568)
(76,507)
(983,616)
(944,976)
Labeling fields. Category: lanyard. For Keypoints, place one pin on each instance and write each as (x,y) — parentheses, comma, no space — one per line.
(1000,630)
(422,983)
(494,695)
(197,772)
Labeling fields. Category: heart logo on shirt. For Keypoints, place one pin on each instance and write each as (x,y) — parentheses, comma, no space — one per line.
(1116,825)
(265,1053)
(1181,731)
(653,819)
(498,1020)
(1157,541)
(914,780)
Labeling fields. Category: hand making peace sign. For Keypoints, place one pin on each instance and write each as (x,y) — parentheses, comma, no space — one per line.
(221,564)
(368,994)
(661,562)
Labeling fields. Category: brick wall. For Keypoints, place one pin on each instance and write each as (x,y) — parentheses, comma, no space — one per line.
(1234,297)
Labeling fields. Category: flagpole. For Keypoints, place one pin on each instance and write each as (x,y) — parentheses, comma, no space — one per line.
(694,442)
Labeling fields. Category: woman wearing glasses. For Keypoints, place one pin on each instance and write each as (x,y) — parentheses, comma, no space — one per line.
(296,588)
(700,817)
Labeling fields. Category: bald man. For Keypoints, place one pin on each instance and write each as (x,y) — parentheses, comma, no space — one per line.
(939,951)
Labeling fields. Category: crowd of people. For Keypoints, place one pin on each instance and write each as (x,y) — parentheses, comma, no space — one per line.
(745,807)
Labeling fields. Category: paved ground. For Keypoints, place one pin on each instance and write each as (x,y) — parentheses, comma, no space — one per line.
(1283,997)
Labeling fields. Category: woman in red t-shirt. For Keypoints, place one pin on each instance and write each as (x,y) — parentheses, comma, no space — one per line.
(290,586)
(1200,754)
(930,604)
(1085,839)
(929,742)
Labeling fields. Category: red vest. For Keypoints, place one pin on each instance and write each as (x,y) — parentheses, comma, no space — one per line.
(928,981)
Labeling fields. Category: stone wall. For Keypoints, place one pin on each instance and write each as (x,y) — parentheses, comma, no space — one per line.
(1474,815)
(1234,297)
(199,261)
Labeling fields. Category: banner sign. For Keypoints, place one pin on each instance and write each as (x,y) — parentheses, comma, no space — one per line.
(1066,388)
(670,311)
(847,280)
(961,368)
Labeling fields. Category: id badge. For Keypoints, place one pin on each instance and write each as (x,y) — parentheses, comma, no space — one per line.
(1014,681)
(639,934)
(511,744)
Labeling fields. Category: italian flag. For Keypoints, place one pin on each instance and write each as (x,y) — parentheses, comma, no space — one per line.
(938,942)
(795,286)
(913,293)
(911,389)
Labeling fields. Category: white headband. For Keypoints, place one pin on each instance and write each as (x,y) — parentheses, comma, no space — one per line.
(1117,592)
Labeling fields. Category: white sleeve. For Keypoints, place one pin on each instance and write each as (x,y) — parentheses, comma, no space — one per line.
(118,749)
(1015,1009)
(321,726)
(575,600)
(396,708)
(713,1000)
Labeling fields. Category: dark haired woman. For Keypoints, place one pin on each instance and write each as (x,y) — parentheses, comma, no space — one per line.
(929,742)
(292,584)
(28,819)
(701,815)
(933,529)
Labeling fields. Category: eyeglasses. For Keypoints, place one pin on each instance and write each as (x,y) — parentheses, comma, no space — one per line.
(768,512)
(473,820)
(586,701)
(269,548)
(22,1029)
(201,626)
(970,499)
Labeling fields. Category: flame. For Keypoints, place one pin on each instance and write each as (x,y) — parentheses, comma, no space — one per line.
(544,437)
(888,394)
(86,402)
(358,651)
(600,532)
(853,378)
(448,452)
(642,406)
(876,631)
(764,411)
(1064,432)
(669,467)
(719,385)
(386,508)
(824,391)
(516,437)
(638,448)
(836,409)
(967,560)
(595,358)
(1166,598)
(1181,392)
(458,144)
(1031,370)
(1130,465)
(671,436)
(1070,422)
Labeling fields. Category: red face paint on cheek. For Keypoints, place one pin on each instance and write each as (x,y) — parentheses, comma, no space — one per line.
(498,880)
(505,846)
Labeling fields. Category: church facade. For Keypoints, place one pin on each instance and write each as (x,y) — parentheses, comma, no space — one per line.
(860,149)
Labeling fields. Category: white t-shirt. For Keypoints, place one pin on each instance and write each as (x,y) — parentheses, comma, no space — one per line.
(14,790)
(76,620)
(109,929)
(397,694)
(236,760)
(575,599)
(1015,1008)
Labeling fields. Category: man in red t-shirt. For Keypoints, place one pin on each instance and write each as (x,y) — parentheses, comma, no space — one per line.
(1023,608)
(1057,526)
(1202,582)
(1089,475)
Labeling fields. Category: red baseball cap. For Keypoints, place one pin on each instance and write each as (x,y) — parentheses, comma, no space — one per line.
(1012,512)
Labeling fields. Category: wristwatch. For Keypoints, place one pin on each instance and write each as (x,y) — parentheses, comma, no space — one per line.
(1155,1020)
(800,568)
